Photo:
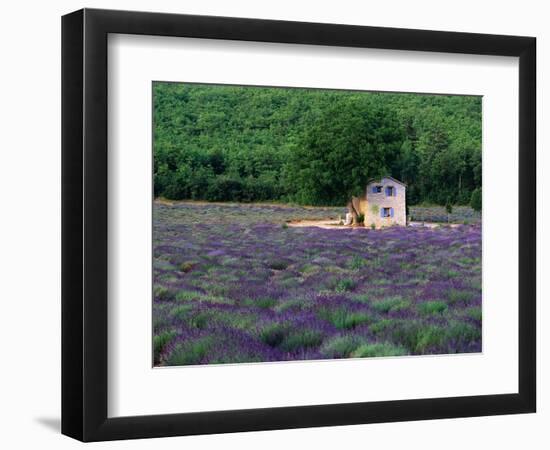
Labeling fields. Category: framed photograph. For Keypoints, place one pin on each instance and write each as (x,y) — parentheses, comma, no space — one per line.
(273,224)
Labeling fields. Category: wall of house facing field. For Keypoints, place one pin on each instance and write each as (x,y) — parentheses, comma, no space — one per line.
(376,201)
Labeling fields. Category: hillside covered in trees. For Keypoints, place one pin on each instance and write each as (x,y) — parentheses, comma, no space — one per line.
(312,146)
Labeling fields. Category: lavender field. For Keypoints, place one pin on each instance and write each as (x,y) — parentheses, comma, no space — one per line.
(234,283)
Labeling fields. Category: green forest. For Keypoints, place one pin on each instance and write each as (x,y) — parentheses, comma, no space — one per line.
(313,146)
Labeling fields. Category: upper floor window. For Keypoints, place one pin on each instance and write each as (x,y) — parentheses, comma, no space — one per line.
(376,189)
(390,191)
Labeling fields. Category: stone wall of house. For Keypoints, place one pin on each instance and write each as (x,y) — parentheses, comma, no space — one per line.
(377,201)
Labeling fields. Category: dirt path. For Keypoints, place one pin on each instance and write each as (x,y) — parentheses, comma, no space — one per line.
(327,224)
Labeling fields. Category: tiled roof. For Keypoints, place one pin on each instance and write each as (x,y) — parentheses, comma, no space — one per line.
(373,180)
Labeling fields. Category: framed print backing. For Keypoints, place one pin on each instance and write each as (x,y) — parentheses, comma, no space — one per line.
(110,60)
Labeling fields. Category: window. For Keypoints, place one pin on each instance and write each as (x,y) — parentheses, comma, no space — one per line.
(376,189)
(386,212)
(390,191)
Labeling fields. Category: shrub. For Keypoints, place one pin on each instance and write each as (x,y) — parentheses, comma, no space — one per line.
(240,321)
(450,273)
(361,298)
(273,334)
(475,200)
(463,332)
(190,352)
(187,296)
(329,282)
(382,325)
(301,339)
(289,283)
(186,266)
(391,304)
(474,313)
(344,285)
(417,337)
(163,294)
(159,343)
(475,284)
(289,304)
(432,307)
(347,320)
(264,302)
(356,262)
(429,336)
(277,264)
(308,269)
(216,299)
(181,312)
(343,319)
(340,346)
(378,349)
(224,188)
(160,322)
(200,320)
(234,358)
(459,296)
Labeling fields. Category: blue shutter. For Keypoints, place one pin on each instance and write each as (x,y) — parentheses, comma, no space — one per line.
(395,191)
(387,191)
(391,212)
(381,212)
(374,189)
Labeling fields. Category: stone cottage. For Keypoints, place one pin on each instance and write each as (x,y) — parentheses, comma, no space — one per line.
(384,203)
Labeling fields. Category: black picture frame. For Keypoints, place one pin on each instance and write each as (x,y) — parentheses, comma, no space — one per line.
(84,224)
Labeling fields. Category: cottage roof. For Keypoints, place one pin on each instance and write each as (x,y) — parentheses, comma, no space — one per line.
(378,180)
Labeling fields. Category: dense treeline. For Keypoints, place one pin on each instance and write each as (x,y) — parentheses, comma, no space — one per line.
(223,143)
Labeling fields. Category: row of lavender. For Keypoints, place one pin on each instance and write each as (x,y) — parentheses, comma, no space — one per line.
(233,284)
(459,214)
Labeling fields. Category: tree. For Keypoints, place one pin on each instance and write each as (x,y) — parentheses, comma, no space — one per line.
(347,143)
(208,136)
(475,201)
(449,209)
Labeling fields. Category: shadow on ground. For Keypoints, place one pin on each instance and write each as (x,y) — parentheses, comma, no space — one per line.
(53,423)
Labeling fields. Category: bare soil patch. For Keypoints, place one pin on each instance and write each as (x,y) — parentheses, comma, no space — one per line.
(326,224)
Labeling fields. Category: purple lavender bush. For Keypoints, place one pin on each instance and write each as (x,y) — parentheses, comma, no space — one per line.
(459,214)
(233,283)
